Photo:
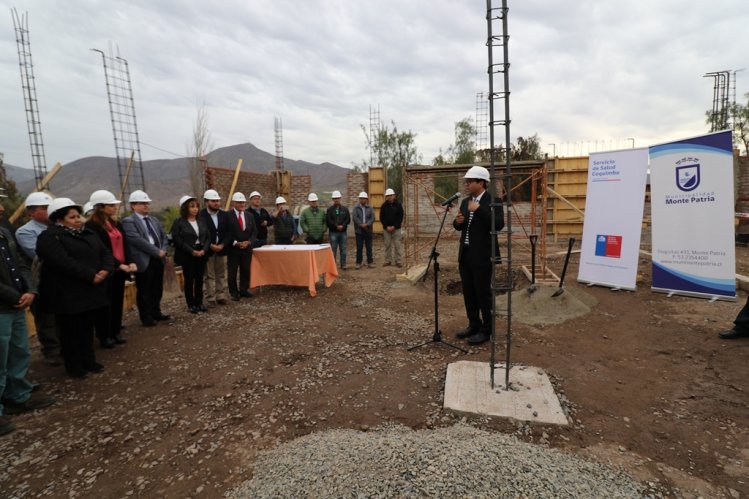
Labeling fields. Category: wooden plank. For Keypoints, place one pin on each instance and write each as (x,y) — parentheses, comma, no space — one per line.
(43,185)
(233,184)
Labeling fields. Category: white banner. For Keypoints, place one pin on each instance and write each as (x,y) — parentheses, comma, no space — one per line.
(692,208)
(614,202)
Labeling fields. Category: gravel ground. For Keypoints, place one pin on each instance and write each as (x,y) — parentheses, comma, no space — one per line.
(459,461)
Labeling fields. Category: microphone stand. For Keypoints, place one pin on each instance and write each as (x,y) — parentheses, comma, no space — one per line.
(437,336)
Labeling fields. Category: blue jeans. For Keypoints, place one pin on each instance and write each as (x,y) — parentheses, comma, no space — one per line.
(338,240)
(14,357)
(361,240)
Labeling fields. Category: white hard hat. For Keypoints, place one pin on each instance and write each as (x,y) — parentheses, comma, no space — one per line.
(185,199)
(280,200)
(255,193)
(60,204)
(363,195)
(336,195)
(38,199)
(87,208)
(390,192)
(312,197)
(477,172)
(138,197)
(238,197)
(211,195)
(102,197)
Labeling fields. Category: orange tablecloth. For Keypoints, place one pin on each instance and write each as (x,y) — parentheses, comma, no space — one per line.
(294,265)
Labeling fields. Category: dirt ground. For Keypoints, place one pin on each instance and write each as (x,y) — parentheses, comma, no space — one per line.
(184,407)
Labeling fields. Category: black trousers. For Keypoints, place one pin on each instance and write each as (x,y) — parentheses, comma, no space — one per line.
(109,320)
(237,261)
(77,339)
(742,320)
(150,285)
(476,278)
(193,271)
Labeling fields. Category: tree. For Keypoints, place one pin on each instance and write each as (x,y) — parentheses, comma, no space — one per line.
(461,153)
(740,114)
(526,148)
(393,150)
(198,149)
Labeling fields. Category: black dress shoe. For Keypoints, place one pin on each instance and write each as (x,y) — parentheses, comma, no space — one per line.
(162,317)
(107,343)
(202,308)
(149,323)
(119,340)
(479,338)
(246,294)
(193,310)
(95,368)
(78,373)
(234,297)
(467,332)
(734,333)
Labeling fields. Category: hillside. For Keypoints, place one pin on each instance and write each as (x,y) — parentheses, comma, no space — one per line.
(167,179)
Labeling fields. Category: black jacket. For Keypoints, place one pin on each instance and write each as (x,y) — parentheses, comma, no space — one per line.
(391,214)
(342,218)
(70,263)
(9,294)
(220,234)
(262,232)
(237,235)
(104,237)
(186,240)
(479,236)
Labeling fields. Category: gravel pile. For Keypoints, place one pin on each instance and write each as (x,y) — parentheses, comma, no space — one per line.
(460,461)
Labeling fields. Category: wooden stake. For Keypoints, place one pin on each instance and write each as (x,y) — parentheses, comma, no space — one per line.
(233,184)
(42,186)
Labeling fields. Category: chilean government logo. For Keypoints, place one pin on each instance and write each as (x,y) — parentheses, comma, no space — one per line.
(688,177)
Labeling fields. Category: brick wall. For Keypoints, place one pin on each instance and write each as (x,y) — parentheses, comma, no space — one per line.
(742,192)
(355,183)
(265,183)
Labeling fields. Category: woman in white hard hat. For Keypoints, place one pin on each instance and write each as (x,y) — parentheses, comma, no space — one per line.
(75,267)
(191,242)
(110,232)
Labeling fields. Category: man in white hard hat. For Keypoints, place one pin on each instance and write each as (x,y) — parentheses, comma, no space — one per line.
(312,221)
(338,218)
(474,253)
(363,219)
(147,242)
(243,234)
(284,227)
(217,221)
(46,327)
(391,217)
(263,220)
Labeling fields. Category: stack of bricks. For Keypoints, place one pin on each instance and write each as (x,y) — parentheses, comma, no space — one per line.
(742,194)
(220,179)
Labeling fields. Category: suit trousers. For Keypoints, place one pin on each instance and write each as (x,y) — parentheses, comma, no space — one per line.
(46,330)
(109,319)
(150,285)
(393,245)
(193,271)
(215,278)
(742,320)
(240,262)
(476,279)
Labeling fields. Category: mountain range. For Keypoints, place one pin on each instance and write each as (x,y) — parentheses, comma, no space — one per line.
(168,179)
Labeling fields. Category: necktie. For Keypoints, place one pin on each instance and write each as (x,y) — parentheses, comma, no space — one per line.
(152,232)
(241,221)
(468,227)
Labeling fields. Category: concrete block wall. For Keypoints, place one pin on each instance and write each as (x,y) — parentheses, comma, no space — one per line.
(265,183)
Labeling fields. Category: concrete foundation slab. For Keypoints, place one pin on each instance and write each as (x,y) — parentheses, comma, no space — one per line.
(530,397)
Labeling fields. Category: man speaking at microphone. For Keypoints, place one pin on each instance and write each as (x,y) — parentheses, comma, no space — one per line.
(475,252)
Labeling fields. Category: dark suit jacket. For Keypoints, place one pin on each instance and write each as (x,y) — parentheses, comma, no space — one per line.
(479,236)
(186,240)
(220,233)
(237,235)
(136,234)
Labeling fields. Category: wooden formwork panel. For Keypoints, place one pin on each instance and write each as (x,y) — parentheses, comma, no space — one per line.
(376,193)
(568,177)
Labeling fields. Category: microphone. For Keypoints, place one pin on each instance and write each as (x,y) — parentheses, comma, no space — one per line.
(448,202)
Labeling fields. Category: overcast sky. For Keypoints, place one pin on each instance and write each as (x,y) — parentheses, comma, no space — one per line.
(585,74)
